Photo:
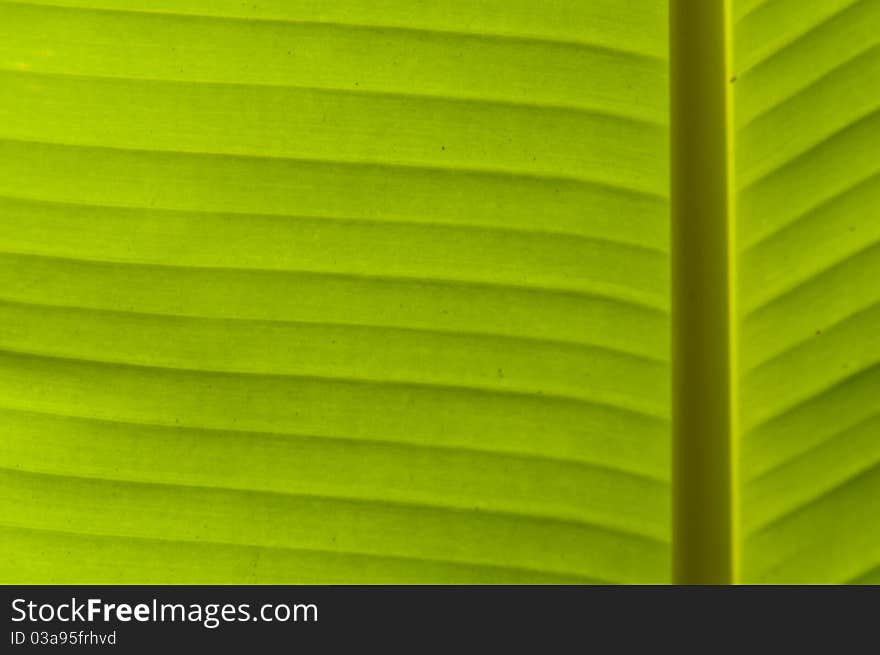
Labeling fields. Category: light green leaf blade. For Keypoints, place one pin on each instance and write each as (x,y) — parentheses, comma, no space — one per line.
(807,128)
(334,292)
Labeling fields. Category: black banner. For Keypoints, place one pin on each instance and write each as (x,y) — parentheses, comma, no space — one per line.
(413,619)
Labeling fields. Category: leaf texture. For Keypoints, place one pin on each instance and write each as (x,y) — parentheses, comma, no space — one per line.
(378,291)
(807,129)
(355,291)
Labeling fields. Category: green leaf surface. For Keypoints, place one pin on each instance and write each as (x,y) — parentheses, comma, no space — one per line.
(366,291)
(807,148)
(334,292)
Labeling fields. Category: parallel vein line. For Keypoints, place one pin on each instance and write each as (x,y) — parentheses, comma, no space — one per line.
(812,150)
(389,221)
(754,9)
(824,205)
(864,574)
(500,103)
(625,297)
(398,504)
(808,341)
(793,408)
(848,482)
(791,97)
(522,456)
(830,440)
(515,174)
(812,278)
(435,387)
(414,559)
(797,38)
(515,338)
(483,35)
